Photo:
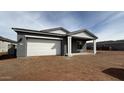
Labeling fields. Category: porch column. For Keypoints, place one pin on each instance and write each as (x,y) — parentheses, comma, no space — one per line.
(69,45)
(94,47)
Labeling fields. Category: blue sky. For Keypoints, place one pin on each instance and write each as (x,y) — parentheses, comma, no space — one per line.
(106,25)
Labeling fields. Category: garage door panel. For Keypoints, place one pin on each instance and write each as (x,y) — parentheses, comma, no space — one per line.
(37,47)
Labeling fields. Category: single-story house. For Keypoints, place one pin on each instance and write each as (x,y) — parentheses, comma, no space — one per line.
(5,45)
(54,41)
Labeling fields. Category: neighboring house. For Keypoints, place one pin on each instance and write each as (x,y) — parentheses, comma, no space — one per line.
(5,44)
(55,41)
(117,45)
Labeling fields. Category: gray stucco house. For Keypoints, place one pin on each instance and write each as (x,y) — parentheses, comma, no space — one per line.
(54,41)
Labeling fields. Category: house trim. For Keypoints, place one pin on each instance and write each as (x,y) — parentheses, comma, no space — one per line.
(54,29)
(82,31)
(36,32)
(43,37)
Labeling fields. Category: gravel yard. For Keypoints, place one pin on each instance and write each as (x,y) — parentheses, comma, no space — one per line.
(105,65)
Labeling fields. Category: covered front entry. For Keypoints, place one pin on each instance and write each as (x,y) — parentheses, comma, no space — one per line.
(77,46)
(77,41)
(38,47)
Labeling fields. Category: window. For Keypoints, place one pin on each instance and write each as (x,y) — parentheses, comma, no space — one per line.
(79,45)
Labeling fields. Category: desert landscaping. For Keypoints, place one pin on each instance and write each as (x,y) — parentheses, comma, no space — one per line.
(105,65)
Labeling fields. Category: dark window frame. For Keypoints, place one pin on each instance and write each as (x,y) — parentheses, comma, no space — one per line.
(79,45)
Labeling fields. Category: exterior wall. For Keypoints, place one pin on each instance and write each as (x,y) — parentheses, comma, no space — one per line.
(58,32)
(74,46)
(83,35)
(4,46)
(64,46)
(21,46)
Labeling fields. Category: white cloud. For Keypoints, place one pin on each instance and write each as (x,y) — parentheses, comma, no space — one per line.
(34,20)
(21,19)
(109,29)
(112,29)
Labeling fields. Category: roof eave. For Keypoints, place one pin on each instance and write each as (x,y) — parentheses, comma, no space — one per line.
(91,34)
(83,30)
(35,32)
(54,29)
(7,40)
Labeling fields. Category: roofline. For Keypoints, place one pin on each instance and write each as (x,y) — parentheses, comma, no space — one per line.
(46,31)
(54,29)
(91,34)
(35,31)
(83,38)
(16,29)
(75,32)
(7,40)
(83,30)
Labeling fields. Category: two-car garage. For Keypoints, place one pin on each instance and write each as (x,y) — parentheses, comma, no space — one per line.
(37,47)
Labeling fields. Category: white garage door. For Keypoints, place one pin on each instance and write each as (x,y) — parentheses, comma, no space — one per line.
(37,47)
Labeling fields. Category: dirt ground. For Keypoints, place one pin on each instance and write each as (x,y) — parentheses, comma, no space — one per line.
(103,66)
